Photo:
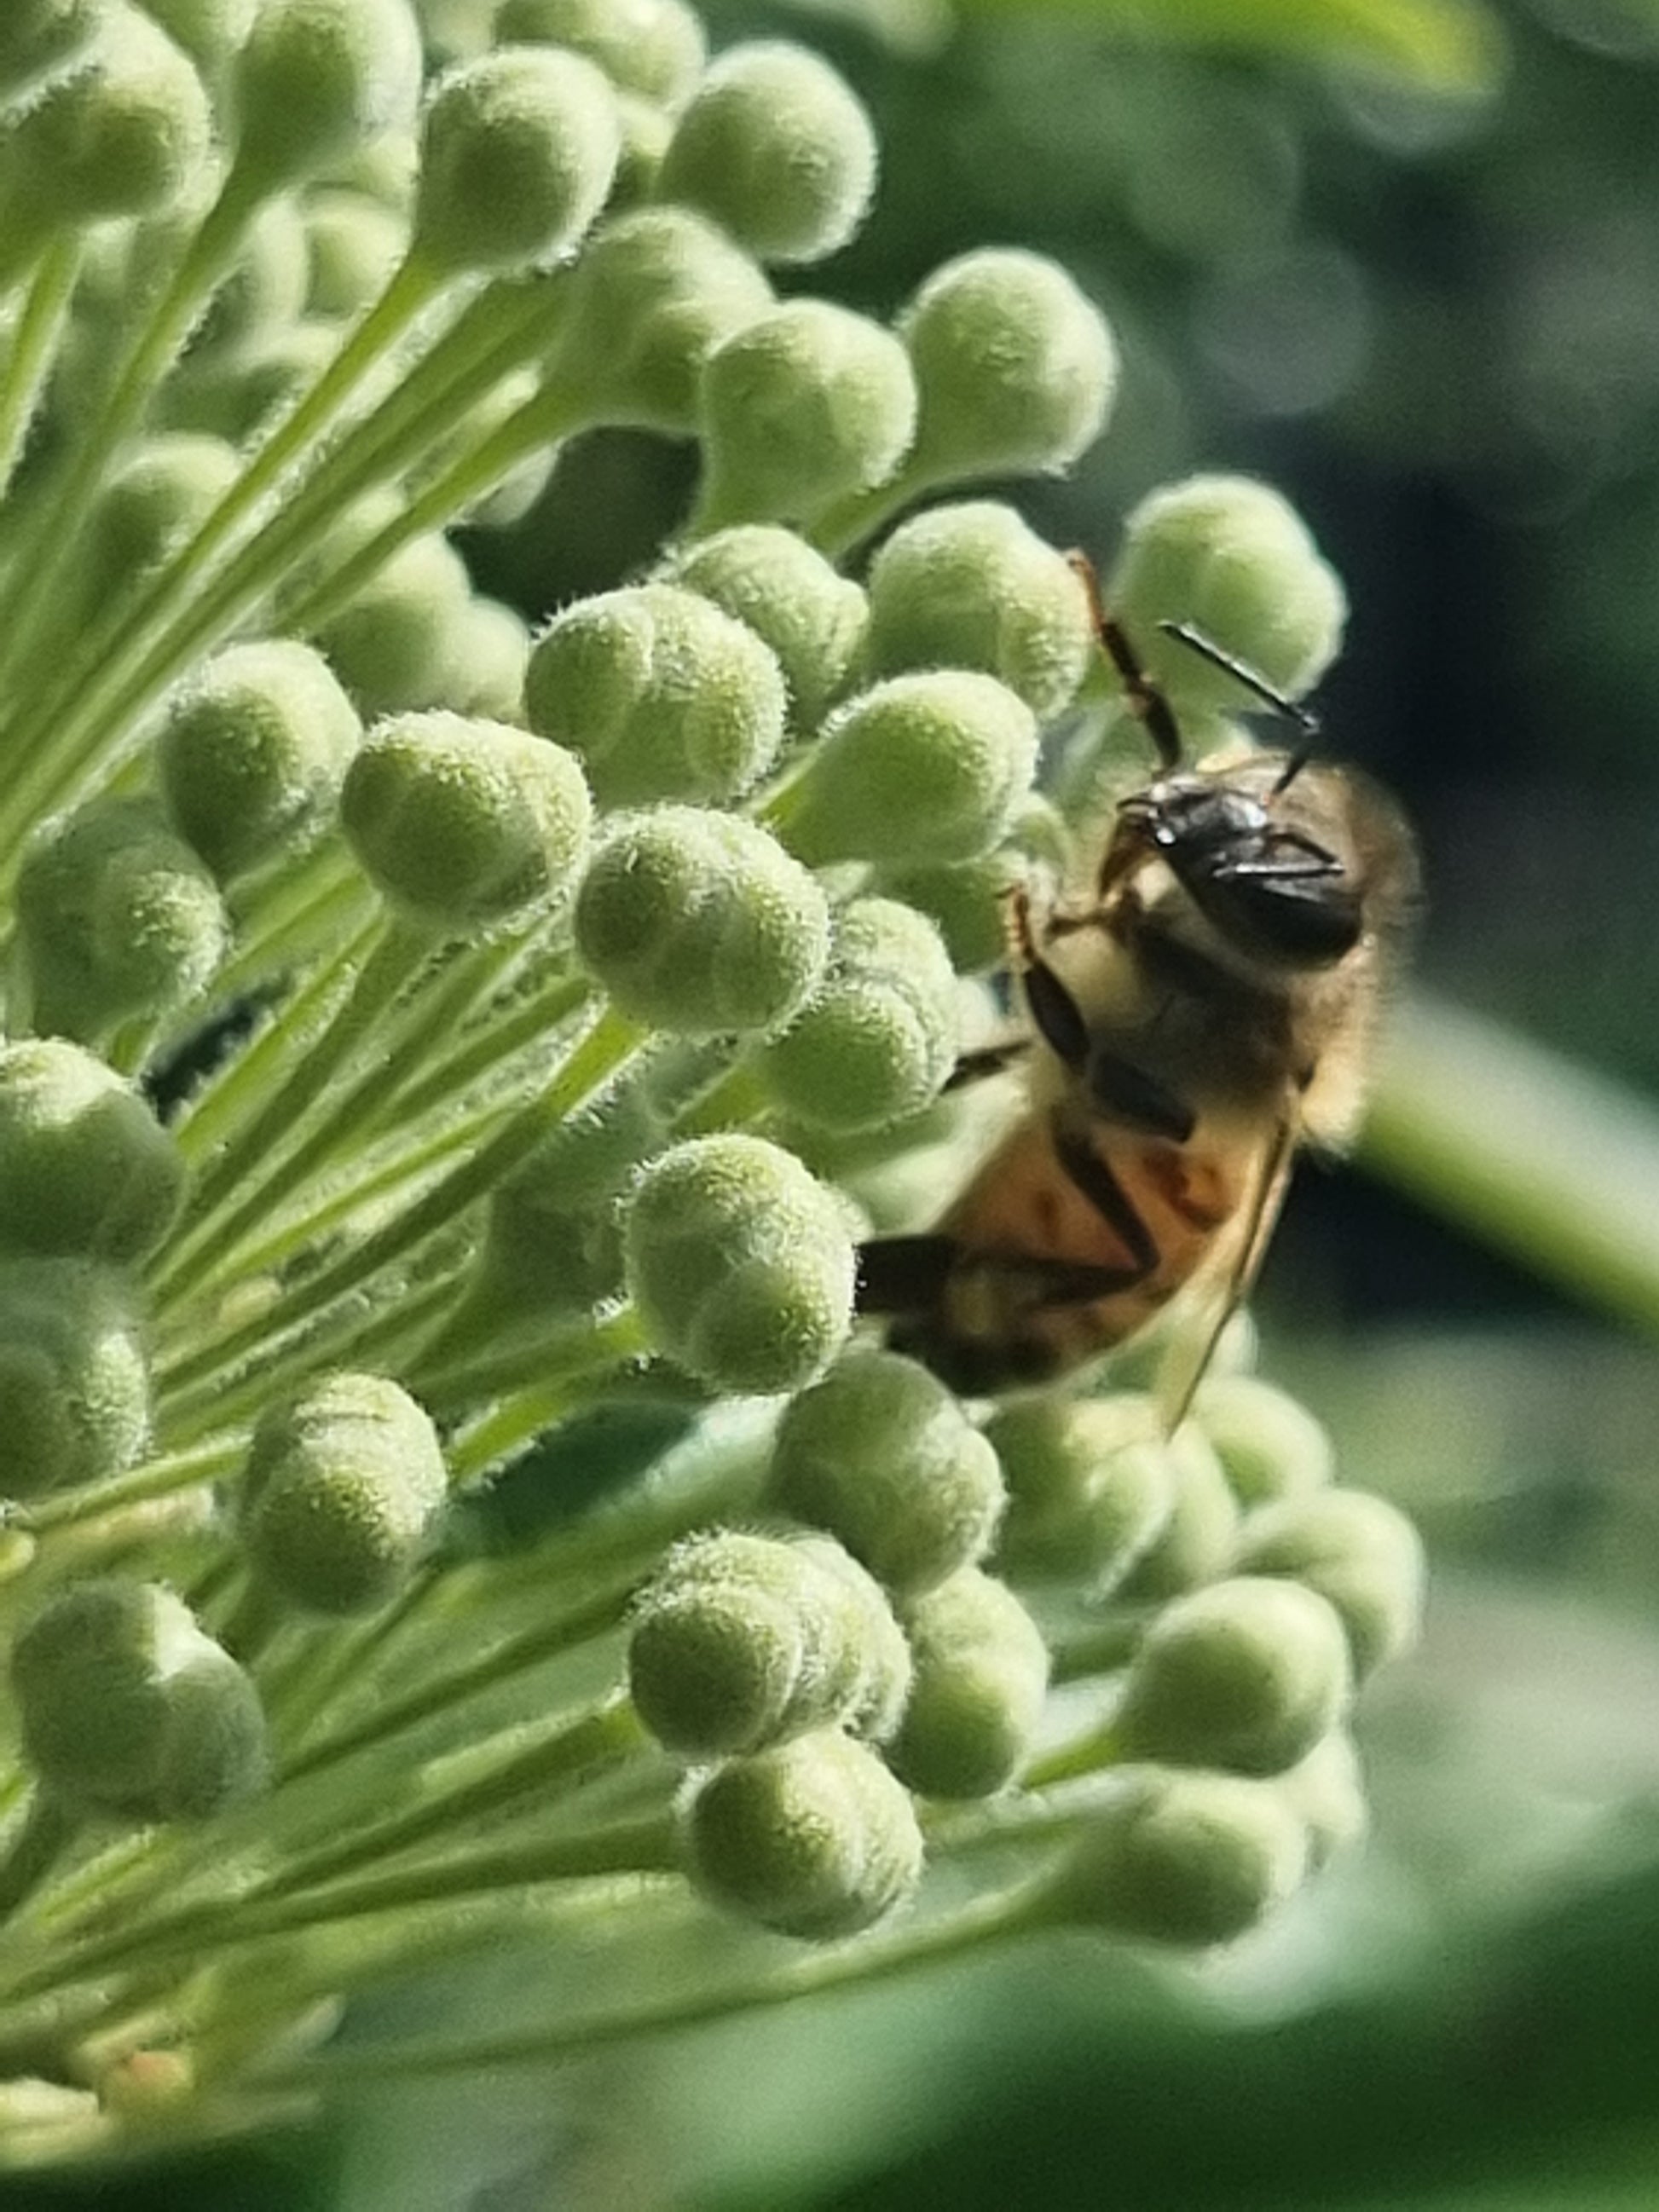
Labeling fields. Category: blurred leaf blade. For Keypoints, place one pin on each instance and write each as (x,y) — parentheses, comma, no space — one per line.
(1446,47)
(1538,1155)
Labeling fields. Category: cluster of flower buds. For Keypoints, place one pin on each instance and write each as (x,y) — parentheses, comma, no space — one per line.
(450,1070)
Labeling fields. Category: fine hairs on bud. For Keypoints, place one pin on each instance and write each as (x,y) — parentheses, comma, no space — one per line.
(1092,1485)
(882,1456)
(652,294)
(252,748)
(1015,369)
(340,1488)
(517,150)
(652,48)
(775,148)
(813,1838)
(878,1039)
(86,1169)
(660,694)
(740,1264)
(699,923)
(931,766)
(813,618)
(1231,557)
(800,408)
(972,586)
(128,1708)
(460,822)
(74,1381)
(116,918)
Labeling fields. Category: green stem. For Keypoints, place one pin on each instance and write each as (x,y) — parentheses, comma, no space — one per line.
(494,1778)
(550,416)
(208,1236)
(34,347)
(563,1354)
(62,517)
(645,1845)
(985,1920)
(254,1076)
(505,325)
(606,1046)
(160,1477)
(48,1829)
(502,1663)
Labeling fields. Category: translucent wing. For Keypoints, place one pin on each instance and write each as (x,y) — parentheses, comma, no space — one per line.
(1224,1281)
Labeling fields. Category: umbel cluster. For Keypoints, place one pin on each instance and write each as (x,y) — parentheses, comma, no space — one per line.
(449,1071)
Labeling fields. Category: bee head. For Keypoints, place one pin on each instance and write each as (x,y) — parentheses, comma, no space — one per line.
(1264,880)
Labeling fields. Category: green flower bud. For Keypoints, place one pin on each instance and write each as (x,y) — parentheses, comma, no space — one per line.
(744,1641)
(251,749)
(1360,1553)
(777,149)
(354,246)
(123,133)
(740,1264)
(659,694)
(146,510)
(517,150)
(800,407)
(492,658)
(881,1455)
(1270,1446)
(461,822)
(128,1708)
(208,30)
(981,1675)
(340,1492)
(116,918)
(265,290)
(652,293)
(397,646)
(971,587)
(1197,1541)
(316,78)
(701,924)
(1015,369)
(878,1039)
(1193,1859)
(1233,1676)
(650,47)
(925,766)
(789,595)
(74,1387)
(85,1167)
(1232,558)
(813,1838)
(1092,1485)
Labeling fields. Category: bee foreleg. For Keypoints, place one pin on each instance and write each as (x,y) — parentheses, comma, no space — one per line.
(1091,1177)
(1058,1017)
(905,1274)
(987,1059)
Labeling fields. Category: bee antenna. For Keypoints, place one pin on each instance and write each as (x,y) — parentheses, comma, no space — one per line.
(1292,709)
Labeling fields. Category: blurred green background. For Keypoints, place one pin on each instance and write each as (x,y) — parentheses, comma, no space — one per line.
(1403,259)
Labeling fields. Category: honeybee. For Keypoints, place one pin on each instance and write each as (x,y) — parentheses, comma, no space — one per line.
(1205,1008)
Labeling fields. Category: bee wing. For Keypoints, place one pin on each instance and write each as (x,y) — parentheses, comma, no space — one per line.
(1224,1281)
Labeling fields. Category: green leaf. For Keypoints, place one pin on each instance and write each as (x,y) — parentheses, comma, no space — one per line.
(1554,1164)
(1451,46)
